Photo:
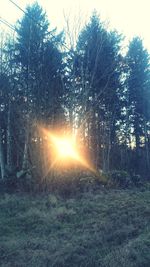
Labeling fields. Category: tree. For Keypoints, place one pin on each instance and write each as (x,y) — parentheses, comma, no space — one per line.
(4,106)
(39,60)
(138,96)
(138,88)
(97,79)
(37,95)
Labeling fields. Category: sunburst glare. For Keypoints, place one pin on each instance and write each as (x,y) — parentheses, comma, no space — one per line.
(64,150)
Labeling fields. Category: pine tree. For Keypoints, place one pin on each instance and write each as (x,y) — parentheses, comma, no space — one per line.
(138,104)
(40,61)
(138,84)
(39,64)
(98,79)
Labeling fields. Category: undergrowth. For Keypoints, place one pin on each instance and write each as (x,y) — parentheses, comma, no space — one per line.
(107,228)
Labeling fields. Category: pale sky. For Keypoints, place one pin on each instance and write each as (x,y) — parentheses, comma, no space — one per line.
(130,17)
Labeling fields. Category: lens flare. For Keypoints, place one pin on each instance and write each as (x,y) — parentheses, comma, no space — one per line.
(65,150)
(65,147)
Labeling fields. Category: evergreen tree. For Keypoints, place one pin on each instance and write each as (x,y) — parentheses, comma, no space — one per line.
(98,79)
(138,85)
(138,104)
(35,67)
(40,62)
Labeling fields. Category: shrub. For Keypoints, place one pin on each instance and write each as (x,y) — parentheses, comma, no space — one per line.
(86,183)
(137,180)
(118,179)
(121,179)
(17,183)
(51,201)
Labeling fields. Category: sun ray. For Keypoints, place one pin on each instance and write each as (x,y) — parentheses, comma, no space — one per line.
(65,150)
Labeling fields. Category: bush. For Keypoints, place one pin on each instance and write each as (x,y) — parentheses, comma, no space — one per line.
(23,182)
(119,179)
(86,183)
(70,183)
(137,180)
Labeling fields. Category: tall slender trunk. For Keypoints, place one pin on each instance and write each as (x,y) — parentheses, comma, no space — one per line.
(25,162)
(109,149)
(104,149)
(137,135)
(2,161)
(9,139)
(146,146)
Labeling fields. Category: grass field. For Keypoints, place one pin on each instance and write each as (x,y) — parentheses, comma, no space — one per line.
(109,228)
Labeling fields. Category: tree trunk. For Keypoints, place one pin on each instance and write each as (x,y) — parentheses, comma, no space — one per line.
(2,162)
(9,140)
(146,146)
(25,162)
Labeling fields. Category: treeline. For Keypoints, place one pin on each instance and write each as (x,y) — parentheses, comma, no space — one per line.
(92,89)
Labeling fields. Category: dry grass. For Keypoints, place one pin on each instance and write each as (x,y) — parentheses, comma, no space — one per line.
(106,228)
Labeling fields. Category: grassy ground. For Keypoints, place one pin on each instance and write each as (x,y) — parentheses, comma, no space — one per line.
(107,228)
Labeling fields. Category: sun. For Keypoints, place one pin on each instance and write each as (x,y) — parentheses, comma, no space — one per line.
(65,147)
(64,150)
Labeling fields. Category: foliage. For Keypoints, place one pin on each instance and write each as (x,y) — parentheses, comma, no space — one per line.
(18,182)
(137,180)
(122,179)
(137,98)
(119,179)
(70,183)
(72,217)
(92,91)
(97,72)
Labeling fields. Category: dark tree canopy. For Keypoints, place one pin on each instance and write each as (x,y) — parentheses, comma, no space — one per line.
(91,90)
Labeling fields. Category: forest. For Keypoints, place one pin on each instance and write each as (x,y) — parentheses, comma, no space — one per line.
(74,144)
(84,84)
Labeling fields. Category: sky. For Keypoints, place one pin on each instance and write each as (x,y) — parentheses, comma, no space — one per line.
(130,17)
